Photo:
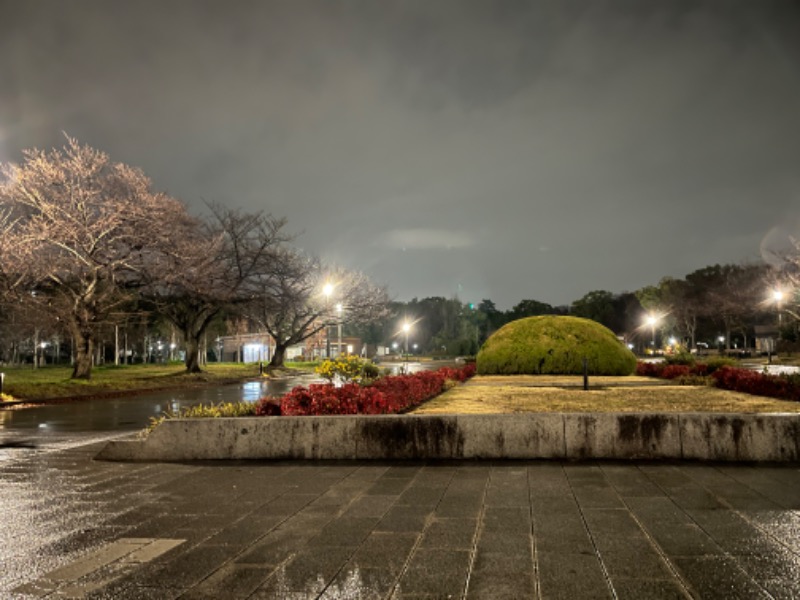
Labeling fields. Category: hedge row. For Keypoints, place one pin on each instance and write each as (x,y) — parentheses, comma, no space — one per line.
(387,395)
(782,387)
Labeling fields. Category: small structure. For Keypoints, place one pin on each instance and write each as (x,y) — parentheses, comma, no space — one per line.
(766,338)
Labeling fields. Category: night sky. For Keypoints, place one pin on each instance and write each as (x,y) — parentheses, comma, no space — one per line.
(495,149)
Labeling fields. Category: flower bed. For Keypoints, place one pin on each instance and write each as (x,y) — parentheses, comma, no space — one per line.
(387,395)
(782,387)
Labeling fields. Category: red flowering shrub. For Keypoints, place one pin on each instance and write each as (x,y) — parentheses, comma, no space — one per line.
(675,371)
(649,369)
(667,371)
(783,387)
(387,395)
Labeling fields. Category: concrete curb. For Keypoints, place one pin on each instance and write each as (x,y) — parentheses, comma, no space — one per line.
(575,436)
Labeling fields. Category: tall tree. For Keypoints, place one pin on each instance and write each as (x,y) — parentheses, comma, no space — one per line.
(729,294)
(530,308)
(86,227)
(213,266)
(290,302)
(597,306)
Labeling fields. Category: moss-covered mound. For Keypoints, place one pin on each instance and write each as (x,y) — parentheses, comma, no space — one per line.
(554,345)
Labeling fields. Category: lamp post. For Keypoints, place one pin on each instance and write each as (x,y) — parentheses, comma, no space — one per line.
(652,320)
(327,290)
(339,329)
(406,328)
(777,295)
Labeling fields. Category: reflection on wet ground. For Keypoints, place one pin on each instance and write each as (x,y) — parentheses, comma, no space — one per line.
(134,412)
(380,530)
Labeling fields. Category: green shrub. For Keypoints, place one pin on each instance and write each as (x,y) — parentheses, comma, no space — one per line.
(680,358)
(697,380)
(371,370)
(554,345)
(205,411)
(717,362)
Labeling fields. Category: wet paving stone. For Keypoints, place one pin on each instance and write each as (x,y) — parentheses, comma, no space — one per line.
(404,530)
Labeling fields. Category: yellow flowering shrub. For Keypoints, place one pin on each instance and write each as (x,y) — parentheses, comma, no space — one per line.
(347,368)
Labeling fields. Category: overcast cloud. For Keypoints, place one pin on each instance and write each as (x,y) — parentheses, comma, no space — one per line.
(494,149)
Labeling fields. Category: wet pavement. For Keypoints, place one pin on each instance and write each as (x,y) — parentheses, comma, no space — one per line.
(75,527)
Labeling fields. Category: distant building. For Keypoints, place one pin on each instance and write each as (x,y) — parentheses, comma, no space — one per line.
(766,338)
(260,347)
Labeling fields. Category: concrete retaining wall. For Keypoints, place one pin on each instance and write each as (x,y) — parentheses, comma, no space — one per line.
(707,436)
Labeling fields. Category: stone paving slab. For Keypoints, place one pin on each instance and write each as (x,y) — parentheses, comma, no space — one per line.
(79,528)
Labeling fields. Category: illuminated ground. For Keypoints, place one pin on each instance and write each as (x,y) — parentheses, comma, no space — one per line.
(545,393)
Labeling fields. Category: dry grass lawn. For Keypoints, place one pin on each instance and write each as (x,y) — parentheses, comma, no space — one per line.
(547,393)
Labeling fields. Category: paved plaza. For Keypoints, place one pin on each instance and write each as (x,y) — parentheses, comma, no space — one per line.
(76,527)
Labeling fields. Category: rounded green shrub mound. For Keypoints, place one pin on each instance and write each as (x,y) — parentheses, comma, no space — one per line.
(554,345)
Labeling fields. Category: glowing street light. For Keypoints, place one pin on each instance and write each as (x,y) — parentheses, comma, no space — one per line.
(327,290)
(777,295)
(339,328)
(652,320)
(406,329)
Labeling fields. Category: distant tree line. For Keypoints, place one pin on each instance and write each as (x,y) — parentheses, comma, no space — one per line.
(90,252)
(725,301)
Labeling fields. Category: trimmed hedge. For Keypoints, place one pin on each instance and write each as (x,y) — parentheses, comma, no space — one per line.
(782,387)
(554,345)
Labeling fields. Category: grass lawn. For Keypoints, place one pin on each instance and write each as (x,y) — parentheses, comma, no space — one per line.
(47,383)
(543,393)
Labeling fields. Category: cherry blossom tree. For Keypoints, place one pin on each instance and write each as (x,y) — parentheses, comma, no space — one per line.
(82,230)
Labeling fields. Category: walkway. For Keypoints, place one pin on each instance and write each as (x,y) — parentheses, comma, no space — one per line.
(74,527)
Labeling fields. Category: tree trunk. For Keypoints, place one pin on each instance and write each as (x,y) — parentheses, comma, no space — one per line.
(278,357)
(84,354)
(192,360)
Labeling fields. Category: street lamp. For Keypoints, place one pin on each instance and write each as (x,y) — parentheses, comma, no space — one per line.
(339,328)
(327,290)
(406,329)
(652,320)
(777,295)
